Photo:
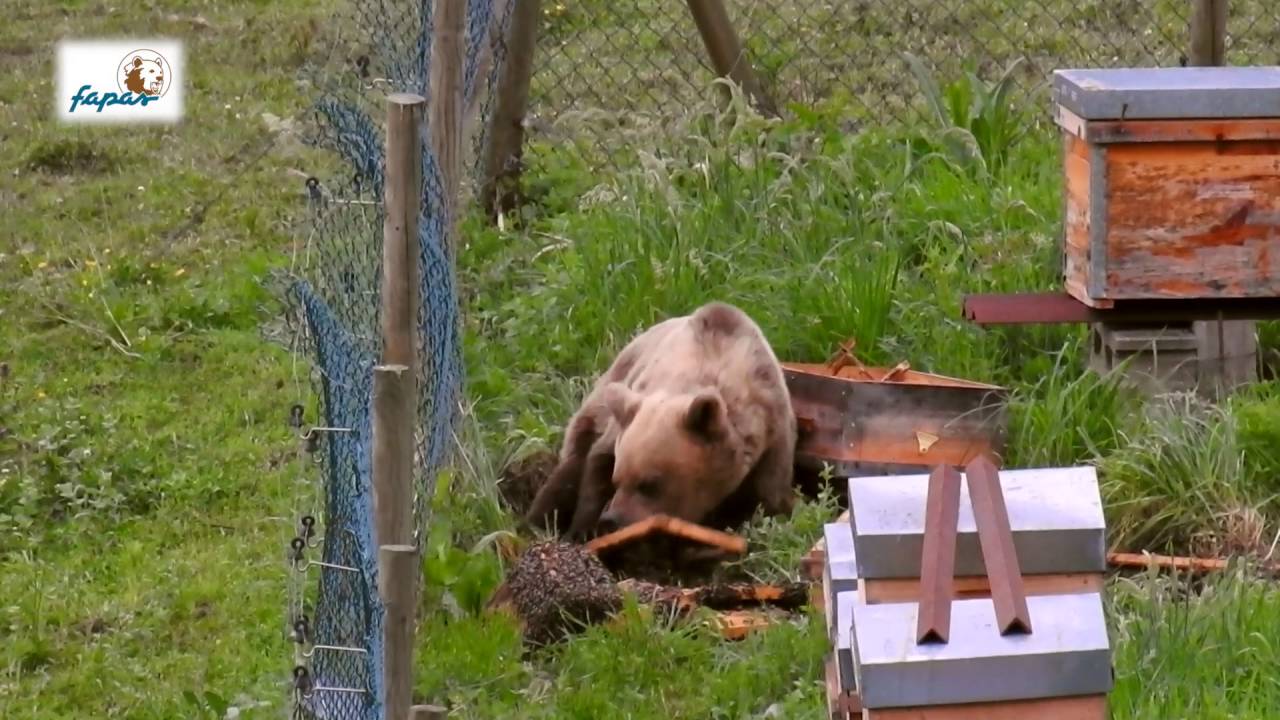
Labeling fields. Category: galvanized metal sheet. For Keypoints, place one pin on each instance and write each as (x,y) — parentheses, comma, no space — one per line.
(845,602)
(1068,654)
(1055,515)
(1169,93)
(840,568)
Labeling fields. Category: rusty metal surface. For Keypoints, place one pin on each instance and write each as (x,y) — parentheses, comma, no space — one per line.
(1003,573)
(907,424)
(938,557)
(1060,308)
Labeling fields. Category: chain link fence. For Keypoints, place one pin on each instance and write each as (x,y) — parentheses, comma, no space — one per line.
(607,69)
(332,294)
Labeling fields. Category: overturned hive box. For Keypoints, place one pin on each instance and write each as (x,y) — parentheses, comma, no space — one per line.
(872,420)
(1171,182)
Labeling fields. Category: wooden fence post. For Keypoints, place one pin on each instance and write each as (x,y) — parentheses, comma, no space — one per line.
(446,106)
(1208,32)
(393,450)
(725,50)
(397,588)
(402,202)
(502,151)
(1227,350)
(395,399)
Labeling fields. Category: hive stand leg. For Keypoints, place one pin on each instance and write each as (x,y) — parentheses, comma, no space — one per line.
(1158,357)
(938,557)
(1228,355)
(998,554)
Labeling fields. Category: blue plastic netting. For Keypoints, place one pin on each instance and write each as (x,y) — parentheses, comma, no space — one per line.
(332,289)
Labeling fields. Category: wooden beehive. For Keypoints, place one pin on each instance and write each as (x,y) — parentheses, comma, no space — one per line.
(1171,182)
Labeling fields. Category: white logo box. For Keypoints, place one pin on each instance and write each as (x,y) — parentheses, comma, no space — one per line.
(120,81)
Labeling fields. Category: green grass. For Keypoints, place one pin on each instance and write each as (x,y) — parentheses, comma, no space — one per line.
(149,481)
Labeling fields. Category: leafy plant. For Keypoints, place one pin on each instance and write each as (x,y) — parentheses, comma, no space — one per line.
(976,124)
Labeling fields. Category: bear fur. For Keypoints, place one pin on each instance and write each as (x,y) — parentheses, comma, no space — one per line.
(693,420)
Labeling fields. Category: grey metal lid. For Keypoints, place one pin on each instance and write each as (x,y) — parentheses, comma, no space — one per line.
(1169,93)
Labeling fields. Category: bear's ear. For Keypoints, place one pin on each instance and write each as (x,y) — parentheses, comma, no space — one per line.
(621,402)
(137,62)
(705,416)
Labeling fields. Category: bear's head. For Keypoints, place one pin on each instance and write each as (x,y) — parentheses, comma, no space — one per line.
(144,77)
(676,454)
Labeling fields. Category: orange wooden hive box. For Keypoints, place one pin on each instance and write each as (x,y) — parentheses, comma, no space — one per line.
(1171,182)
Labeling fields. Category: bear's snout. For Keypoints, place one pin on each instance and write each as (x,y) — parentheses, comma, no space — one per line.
(608,523)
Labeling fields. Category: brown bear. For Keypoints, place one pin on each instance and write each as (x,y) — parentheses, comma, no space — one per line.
(693,419)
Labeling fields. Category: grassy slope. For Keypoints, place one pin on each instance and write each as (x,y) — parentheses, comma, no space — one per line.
(166,467)
(145,501)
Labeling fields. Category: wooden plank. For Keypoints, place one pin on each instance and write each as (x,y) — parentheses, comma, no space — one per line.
(973,587)
(1181,131)
(727,542)
(738,624)
(1081,707)
(1194,220)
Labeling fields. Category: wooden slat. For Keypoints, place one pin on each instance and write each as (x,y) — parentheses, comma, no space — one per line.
(1087,707)
(977,586)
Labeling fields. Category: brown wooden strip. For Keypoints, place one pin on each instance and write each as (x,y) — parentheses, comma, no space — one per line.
(625,535)
(1081,707)
(691,531)
(1182,131)
(998,554)
(938,557)
(975,587)
(737,624)
(1140,560)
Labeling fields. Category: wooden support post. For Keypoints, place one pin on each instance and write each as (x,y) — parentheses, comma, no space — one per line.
(726,52)
(485,57)
(502,151)
(938,556)
(446,106)
(394,384)
(393,440)
(427,712)
(397,587)
(1208,32)
(1227,350)
(402,201)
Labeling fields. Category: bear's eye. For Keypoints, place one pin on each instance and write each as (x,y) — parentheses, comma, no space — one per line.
(648,487)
